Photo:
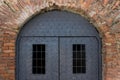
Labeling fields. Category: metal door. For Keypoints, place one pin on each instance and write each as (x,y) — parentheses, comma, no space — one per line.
(66,58)
(79,58)
(27,65)
(60,36)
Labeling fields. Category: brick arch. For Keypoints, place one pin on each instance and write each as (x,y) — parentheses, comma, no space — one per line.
(14,14)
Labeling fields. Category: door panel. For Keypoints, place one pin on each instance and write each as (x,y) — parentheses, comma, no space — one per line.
(26,58)
(60,61)
(91,59)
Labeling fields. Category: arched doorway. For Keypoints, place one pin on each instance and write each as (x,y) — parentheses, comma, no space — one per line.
(58,45)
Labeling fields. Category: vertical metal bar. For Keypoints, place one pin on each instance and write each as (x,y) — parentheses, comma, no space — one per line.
(17,58)
(58,58)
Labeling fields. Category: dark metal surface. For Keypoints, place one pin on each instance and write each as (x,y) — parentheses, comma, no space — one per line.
(25,59)
(58,30)
(66,58)
(58,23)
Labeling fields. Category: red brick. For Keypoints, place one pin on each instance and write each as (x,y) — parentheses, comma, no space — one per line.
(8,51)
(9,45)
(5,48)
(105,1)
(12,55)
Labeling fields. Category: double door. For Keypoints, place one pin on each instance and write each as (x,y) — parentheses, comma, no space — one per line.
(58,58)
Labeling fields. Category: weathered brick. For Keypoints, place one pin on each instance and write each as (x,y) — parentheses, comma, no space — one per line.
(8,51)
(9,45)
(12,55)
(5,55)
(105,1)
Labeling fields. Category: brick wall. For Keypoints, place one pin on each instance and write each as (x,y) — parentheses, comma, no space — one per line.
(104,14)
